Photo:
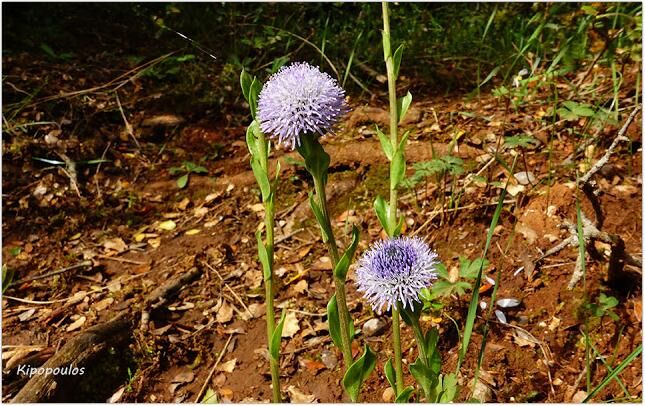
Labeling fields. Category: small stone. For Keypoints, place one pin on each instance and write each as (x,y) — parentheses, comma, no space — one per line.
(524,178)
(373,327)
(329,359)
(388,395)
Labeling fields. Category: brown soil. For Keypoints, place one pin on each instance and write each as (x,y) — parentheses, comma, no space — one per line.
(115,223)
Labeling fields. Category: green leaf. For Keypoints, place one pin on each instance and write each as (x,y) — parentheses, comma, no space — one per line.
(469,270)
(254,91)
(210,397)
(343,264)
(386,145)
(523,141)
(277,172)
(316,159)
(582,110)
(274,348)
(411,316)
(182,181)
(424,376)
(397,169)
(245,84)
(430,342)
(381,209)
(449,388)
(252,139)
(390,374)
(402,106)
(358,372)
(397,229)
(261,177)
(7,277)
(264,256)
(320,218)
(404,396)
(398,54)
(334,323)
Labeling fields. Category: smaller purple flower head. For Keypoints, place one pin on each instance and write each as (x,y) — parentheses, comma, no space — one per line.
(299,99)
(395,270)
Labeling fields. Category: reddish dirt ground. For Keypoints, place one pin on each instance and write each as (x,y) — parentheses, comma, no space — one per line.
(118,224)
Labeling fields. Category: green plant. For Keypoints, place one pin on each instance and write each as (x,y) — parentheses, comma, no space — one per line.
(603,307)
(259,148)
(186,168)
(448,285)
(7,277)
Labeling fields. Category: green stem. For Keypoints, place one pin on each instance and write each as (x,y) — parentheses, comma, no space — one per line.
(341,297)
(391,89)
(396,343)
(420,339)
(269,222)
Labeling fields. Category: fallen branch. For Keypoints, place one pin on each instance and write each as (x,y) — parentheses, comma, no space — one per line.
(53,273)
(84,347)
(605,158)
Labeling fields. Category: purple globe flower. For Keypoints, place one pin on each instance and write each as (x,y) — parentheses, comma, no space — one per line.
(299,99)
(395,270)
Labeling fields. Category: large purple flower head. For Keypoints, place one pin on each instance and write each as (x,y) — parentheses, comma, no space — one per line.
(299,99)
(395,270)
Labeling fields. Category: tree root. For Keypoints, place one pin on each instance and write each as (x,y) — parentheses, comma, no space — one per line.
(85,347)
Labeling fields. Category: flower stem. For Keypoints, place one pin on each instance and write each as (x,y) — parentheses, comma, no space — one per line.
(269,220)
(341,297)
(396,343)
(391,89)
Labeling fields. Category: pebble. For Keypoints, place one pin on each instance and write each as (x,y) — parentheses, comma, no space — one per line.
(373,327)
(388,395)
(329,359)
(524,178)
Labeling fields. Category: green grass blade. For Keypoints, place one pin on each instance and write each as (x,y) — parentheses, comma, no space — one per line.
(637,351)
(610,370)
(472,308)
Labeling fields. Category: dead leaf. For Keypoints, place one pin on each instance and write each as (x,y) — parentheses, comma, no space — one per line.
(291,325)
(300,287)
(224,313)
(253,279)
(117,395)
(115,244)
(226,393)
(183,204)
(228,366)
(527,232)
(257,309)
(76,325)
(184,377)
(103,304)
(523,339)
(296,396)
(167,225)
(154,242)
(311,365)
(323,264)
(258,207)
(26,315)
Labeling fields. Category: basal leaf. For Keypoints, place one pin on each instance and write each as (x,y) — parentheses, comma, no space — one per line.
(358,372)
